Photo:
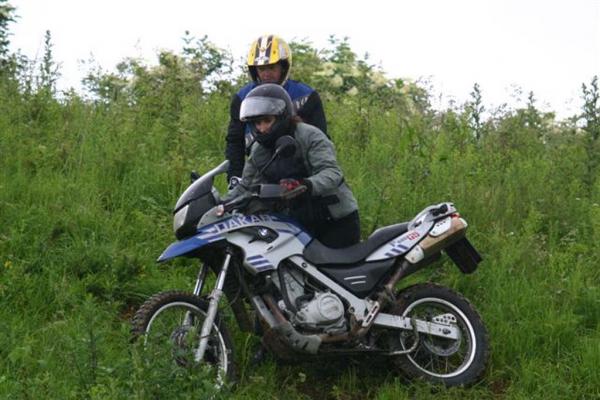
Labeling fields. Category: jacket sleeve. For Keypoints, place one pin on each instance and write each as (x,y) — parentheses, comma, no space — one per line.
(312,112)
(325,173)
(235,150)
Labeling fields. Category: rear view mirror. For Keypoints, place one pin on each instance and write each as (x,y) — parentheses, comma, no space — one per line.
(286,146)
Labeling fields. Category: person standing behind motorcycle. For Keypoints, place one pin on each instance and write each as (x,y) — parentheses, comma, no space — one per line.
(328,209)
(269,61)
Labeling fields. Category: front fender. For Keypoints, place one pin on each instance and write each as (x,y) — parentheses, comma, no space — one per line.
(186,246)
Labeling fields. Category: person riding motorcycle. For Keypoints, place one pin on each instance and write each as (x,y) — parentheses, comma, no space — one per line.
(269,61)
(327,209)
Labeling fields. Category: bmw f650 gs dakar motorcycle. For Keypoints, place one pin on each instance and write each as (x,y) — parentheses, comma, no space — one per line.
(312,300)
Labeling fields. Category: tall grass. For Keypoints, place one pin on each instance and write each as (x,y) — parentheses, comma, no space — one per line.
(86,189)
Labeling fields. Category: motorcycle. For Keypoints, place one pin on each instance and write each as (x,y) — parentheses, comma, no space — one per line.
(307,300)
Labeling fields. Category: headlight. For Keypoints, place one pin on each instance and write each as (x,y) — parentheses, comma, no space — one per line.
(179,218)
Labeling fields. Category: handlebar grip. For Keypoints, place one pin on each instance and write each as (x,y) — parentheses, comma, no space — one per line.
(297,191)
(237,202)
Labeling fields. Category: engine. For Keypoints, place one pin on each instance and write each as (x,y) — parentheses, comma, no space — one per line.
(324,312)
(314,310)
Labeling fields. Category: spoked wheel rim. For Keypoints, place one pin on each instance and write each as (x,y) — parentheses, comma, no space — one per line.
(435,356)
(174,331)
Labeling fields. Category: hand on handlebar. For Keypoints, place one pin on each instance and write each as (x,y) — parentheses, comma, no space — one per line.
(233,182)
(289,184)
(292,188)
(237,202)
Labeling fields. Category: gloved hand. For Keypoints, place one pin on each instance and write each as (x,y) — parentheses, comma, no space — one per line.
(233,182)
(289,184)
(293,187)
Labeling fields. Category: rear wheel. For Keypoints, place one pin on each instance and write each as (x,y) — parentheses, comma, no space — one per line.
(169,324)
(451,362)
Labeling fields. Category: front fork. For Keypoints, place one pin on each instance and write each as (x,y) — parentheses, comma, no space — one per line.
(189,317)
(213,306)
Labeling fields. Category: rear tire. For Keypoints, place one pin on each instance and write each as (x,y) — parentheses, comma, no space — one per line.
(451,362)
(164,334)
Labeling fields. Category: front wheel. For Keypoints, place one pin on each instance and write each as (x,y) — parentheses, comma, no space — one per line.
(169,326)
(452,362)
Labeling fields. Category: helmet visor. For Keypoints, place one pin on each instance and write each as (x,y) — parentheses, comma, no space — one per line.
(253,107)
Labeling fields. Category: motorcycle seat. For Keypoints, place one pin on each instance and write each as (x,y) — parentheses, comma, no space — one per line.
(318,254)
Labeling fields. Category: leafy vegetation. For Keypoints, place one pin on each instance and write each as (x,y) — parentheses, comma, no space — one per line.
(87,182)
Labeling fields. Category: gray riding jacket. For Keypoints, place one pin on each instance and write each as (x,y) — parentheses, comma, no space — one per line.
(324,173)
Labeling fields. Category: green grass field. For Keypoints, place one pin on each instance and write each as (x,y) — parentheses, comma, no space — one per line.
(86,192)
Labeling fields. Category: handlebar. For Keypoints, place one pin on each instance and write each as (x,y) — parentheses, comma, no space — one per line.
(238,202)
(265,192)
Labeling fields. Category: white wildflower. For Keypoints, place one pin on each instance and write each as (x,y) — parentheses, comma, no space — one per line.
(337,81)
(354,72)
(327,69)
(378,79)
(353,91)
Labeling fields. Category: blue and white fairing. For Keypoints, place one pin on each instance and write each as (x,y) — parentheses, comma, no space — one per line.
(260,255)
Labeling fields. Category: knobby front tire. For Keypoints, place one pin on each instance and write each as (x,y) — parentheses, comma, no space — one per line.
(168,325)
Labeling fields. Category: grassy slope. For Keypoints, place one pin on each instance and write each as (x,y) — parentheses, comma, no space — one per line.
(85,199)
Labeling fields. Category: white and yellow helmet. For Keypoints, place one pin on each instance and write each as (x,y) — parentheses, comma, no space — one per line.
(267,50)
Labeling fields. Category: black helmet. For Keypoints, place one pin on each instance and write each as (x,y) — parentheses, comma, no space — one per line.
(268,99)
